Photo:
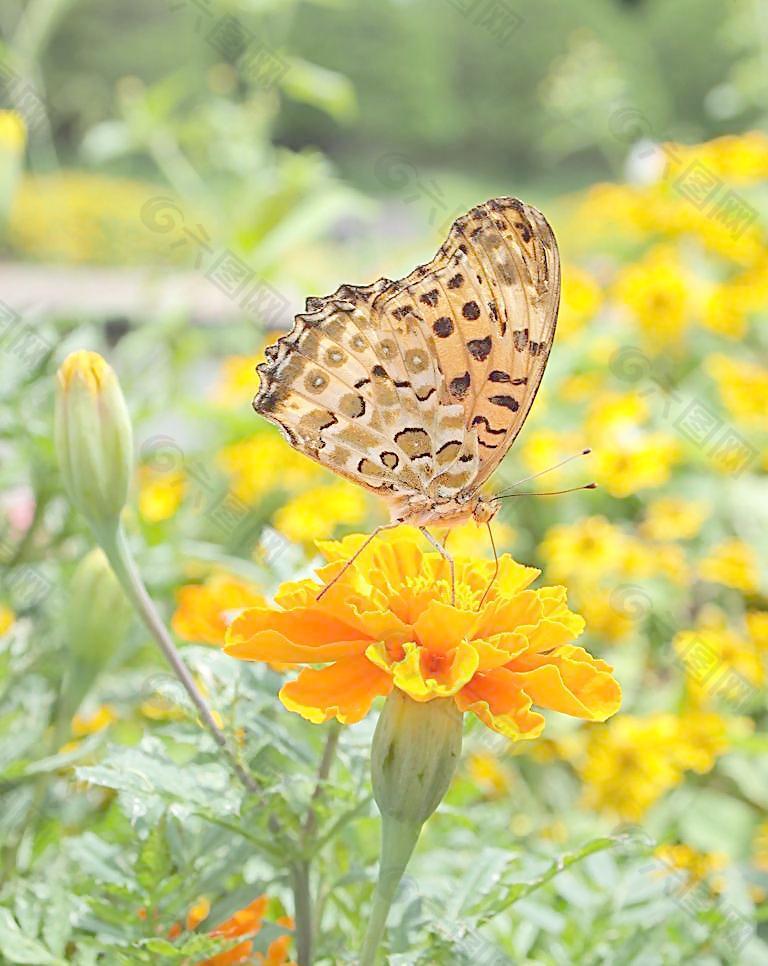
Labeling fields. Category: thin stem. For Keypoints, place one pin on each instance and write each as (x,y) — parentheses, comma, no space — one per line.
(398,840)
(118,552)
(302,895)
(302,908)
(329,751)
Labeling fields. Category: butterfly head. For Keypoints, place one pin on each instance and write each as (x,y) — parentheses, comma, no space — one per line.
(485,510)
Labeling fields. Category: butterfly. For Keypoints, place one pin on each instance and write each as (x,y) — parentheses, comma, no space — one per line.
(416,389)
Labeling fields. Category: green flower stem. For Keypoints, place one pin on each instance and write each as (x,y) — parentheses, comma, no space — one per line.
(398,840)
(115,546)
(302,908)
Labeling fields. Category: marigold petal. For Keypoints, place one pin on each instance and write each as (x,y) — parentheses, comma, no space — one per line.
(244,921)
(499,649)
(300,635)
(363,613)
(440,627)
(512,613)
(297,593)
(277,649)
(513,577)
(570,681)
(419,678)
(344,691)
(500,705)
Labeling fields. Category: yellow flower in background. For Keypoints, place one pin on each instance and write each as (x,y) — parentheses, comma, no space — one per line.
(757,628)
(387,623)
(632,762)
(90,724)
(99,220)
(707,649)
(13,139)
(760,848)
(732,563)
(13,131)
(605,212)
(738,158)
(724,311)
(316,513)
(238,380)
(698,866)
(266,463)
(615,416)
(204,611)
(7,619)
(743,387)
(654,559)
(630,765)
(160,494)
(658,292)
(670,518)
(587,550)
(490,775)
(639,464)
(580,299)
(703,738)
(545,447)
(604,618)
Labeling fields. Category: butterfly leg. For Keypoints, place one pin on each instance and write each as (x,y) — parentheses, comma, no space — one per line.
(496,567)
(355,555)
(443,553)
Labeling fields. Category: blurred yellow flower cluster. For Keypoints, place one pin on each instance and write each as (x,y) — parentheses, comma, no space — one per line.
(712,648)
(7,619)
(699,867)
(586,552)
(743,387)
(633,761)
(97,219)
(732,563)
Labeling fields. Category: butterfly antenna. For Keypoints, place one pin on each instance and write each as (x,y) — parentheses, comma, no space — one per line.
(549,469)
(571,489)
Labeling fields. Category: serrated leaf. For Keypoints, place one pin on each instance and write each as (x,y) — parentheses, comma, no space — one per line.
(154,863)
(18,948)
(146,775)
(57,923)
(518,890)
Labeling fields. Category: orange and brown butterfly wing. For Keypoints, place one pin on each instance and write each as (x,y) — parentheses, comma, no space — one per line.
(417,388)
(489,300)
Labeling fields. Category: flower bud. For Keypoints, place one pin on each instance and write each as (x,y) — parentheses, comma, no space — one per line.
(98,611)
(96,619)
(416,747)
(94,440)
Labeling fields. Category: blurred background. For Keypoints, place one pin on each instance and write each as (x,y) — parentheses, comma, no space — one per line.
(176,177)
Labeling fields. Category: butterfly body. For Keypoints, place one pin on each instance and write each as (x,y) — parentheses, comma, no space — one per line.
(416,389)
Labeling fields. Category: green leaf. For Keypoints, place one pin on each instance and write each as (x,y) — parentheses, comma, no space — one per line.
(146,776)
(518,890)
(57,922)
(319,87)
(154,863)
(18,948)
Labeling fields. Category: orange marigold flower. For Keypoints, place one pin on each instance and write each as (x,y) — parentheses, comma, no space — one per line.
(248,922)
(205,610)
(388,621)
